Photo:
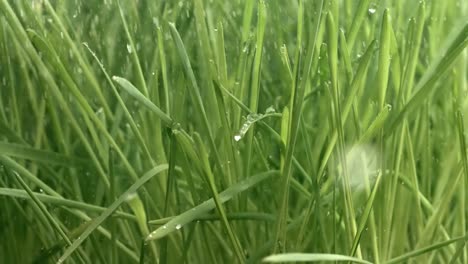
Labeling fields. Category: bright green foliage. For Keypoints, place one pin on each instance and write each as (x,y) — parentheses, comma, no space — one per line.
(211,131)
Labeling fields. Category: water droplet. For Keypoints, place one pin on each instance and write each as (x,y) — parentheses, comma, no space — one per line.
(164,226)
(129,49)
(237,137)
(178,226)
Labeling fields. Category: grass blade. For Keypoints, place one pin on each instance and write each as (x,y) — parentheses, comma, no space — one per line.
(106,214)
(187,217)
(135,93)
(311,257)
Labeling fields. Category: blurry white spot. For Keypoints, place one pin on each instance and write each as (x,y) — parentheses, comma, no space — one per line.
(178,226)
(130,197)
(237,137)
(129,48)
(362,165)
(372,10)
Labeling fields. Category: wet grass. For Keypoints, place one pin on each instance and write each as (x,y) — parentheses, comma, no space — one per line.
(233,131)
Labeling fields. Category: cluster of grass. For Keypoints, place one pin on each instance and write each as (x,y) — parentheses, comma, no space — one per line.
(215,131)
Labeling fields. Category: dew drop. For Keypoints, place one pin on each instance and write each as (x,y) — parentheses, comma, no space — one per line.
(237,137)
(178,226)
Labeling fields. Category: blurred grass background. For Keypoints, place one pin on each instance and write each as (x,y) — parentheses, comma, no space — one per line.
(226,131)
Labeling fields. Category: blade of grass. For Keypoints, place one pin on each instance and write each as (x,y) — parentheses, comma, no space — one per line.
(134,92)
(295,116)
(47,157)
(418,252)
(202,209)
(358,18)
(195,91)
(254,90)
(99,220)
(134,54)
(311,257)
(49,199)
(426,85)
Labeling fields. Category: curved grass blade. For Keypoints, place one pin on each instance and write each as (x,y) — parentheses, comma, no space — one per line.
(231,216)
(121,102)
(48,199)
(134,54)
(202,209)
(135,93)
(311,257)
(29,153)
(359,16)
(384,58)
(427,83)
(427,249)
(13,165)
(43,209)
(365,215)
(99,220)
(210,179)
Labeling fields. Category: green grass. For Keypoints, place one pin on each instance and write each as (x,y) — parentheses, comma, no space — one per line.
(233,131)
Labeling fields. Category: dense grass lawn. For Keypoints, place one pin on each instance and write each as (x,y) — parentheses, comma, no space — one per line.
(212,131)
